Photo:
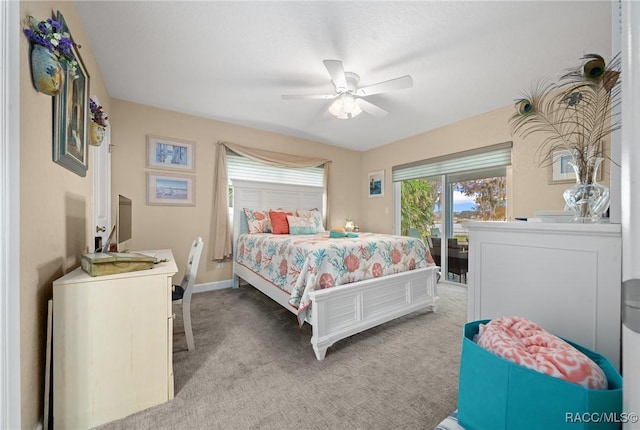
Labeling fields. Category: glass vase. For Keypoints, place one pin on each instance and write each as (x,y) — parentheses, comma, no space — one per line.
(587,199)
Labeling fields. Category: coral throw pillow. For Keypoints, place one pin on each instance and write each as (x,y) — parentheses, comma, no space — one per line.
(279,223)
(523,342)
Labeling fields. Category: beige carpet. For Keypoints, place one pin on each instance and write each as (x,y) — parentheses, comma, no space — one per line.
(253,368)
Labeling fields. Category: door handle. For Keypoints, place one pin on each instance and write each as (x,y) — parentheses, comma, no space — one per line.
(101,229)
(631,304)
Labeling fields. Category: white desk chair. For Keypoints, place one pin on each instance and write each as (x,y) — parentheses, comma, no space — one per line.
(182,293)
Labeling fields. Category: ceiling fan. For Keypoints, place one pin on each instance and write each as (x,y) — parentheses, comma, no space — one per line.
(349,99)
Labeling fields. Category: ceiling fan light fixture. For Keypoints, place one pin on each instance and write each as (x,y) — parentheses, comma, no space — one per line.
(349,100)
(345,107)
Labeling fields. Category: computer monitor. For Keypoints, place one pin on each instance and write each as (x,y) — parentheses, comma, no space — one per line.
(124,223)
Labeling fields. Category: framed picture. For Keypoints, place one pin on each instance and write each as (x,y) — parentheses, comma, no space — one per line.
(71,116)
(561,170)
(172,190)
(170,153)
(376,183)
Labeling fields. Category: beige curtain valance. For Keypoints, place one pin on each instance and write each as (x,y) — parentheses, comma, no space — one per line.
(221,235)
(276,159)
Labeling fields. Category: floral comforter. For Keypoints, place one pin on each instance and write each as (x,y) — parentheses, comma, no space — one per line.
(300,264)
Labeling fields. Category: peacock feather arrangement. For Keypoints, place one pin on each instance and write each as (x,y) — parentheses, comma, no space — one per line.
(575,114)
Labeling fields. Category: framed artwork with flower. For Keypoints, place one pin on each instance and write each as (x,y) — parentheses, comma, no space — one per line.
(169,153)
(172,190)
(70,110)
(376,184)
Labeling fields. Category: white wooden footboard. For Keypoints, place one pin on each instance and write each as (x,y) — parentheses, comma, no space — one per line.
(339,312)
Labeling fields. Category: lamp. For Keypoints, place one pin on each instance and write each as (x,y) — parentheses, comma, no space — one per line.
(349,225)
(345,107)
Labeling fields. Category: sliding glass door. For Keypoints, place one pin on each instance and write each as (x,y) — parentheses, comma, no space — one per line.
(438,206)
(478,195)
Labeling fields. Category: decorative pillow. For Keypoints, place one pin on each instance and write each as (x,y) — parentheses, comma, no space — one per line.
(299,225)
(279,223)
(314,215)
(257,221)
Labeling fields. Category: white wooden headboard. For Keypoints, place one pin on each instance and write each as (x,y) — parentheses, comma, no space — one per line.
(269,195)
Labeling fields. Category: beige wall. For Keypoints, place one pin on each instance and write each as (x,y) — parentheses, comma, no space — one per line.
(55,207)
(175,227)
(528,187)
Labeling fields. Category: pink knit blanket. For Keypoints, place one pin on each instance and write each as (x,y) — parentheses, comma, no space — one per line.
(526,343)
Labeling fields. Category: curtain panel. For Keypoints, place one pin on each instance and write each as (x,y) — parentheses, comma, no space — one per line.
(221,234)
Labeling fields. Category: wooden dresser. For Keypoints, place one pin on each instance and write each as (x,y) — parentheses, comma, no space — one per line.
(564,276)
(112,344)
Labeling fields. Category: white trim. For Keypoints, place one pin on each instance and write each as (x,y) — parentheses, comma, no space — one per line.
(630,201)
(212,286)
(615,209)
(10,393)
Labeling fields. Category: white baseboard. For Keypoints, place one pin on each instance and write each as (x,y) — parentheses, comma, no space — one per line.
(211,286)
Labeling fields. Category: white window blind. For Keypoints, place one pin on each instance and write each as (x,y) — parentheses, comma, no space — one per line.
(239,167)
(490,157)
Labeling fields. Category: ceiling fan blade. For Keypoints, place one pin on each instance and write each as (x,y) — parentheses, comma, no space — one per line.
(371,109)
(336,71)
(390,85)
(308,96)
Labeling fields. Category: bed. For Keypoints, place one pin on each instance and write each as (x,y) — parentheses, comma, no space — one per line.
(342,310)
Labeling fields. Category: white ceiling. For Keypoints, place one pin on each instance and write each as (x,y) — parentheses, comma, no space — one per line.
(232,61)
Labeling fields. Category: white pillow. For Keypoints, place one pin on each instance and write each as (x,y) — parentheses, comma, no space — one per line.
(300,225)
(313,215)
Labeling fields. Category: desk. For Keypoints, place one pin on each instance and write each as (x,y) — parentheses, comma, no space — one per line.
(112,344)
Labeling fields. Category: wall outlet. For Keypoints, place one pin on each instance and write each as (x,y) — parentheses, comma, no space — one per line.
(220,265)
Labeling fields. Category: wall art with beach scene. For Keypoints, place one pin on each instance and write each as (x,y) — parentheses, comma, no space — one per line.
(376,184)
(170,190)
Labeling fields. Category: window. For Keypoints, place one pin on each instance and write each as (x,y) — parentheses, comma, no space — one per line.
(239,167)
(436,195)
